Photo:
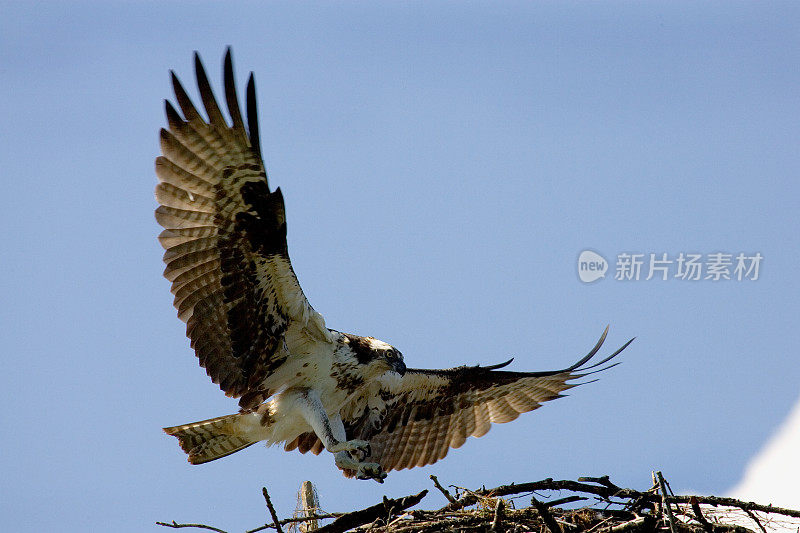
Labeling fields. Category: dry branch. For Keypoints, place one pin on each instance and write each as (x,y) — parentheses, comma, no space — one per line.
(176,525)
(385,509)
(272,512)
(442,489)
(663,485)
(547,518)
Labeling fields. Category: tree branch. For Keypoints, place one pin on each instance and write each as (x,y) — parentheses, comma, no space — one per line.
(385,509)
(442,489)
(271,510)
(547,518)
(176,525)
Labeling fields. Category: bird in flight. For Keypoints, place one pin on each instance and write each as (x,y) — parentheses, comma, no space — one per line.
(298,382)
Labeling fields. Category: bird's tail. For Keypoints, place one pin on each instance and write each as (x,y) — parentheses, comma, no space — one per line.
(210,439)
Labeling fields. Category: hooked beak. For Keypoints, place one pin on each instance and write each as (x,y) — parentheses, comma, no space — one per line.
(400,367)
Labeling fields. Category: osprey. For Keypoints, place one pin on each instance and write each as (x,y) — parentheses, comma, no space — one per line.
(298,382)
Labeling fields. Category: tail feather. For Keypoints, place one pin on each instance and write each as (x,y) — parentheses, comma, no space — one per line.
(210,439)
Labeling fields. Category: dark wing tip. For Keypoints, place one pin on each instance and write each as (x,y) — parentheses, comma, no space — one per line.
(498,365)
(252,116)
(591,353)
(177,87)
(185,103)
(230,92)
(198,65)
(173,118)
(579,365)
(207,94)
(613,355)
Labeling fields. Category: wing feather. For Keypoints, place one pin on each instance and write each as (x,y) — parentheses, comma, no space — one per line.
(501,412)
(407,446)
(213,111)
(392,450)
(187,106)
(169,172)
(189,293)
(431,432)
(172,218)
(199,244)
(172,196)
(428,433)
(432,411)
(187,261)
(183,156)
(440,448)
(439,439)
(483,422)
(173,237)
(462,428)
(233,103)
(225,242)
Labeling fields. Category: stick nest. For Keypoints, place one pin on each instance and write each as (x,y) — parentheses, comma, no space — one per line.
(589,504)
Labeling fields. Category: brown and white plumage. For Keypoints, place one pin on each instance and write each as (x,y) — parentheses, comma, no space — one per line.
(225,240)
(253,330)
(416,420)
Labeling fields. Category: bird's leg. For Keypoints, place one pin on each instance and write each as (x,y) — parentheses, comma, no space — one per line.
(359,450)
(330,431)
(348,454)
(355,460)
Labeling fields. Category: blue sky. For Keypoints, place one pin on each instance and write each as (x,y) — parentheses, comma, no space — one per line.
(443,165)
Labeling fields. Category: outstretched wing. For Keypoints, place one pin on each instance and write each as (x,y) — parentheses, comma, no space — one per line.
(225,240)
(435,410)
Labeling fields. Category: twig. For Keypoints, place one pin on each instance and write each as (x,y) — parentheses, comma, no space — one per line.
(358,518)
(475,495)
(272,510)
(442,489)
(176,525)
(602,480)
(547,518)
(389,523)
(294,520)
(599,524)
(310,517)
(755,519)
(562,501)
(634,524)
(664,497)
(659,503)
(498,517)
(261,528)
(744,506)
(698,514)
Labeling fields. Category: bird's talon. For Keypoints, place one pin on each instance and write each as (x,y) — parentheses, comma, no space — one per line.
(371,471)
(359,450)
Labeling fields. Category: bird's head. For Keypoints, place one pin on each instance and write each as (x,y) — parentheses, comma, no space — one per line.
(379,357)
